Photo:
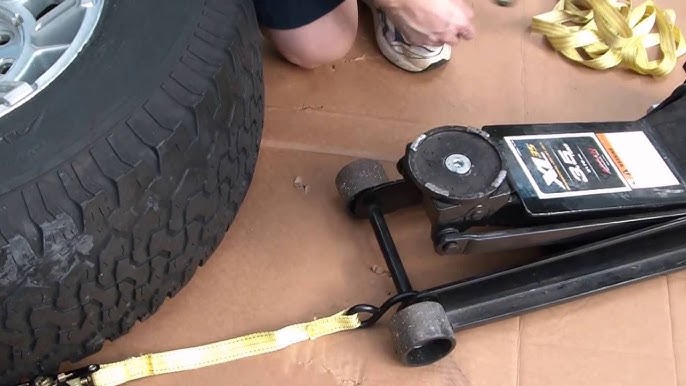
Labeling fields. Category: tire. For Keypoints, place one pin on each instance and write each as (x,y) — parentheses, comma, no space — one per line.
(122,176)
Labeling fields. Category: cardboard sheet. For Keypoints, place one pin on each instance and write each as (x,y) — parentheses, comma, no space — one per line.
(293,254)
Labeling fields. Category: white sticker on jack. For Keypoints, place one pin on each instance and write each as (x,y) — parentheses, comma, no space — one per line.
(638,160)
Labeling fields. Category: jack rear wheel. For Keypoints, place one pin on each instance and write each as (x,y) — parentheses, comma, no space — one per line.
(359,176)
(422,334)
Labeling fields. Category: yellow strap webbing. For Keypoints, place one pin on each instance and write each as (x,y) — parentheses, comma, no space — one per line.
(118,373)
(602,34)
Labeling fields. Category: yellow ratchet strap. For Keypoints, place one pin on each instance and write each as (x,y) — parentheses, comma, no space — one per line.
(119,373)
(602,34)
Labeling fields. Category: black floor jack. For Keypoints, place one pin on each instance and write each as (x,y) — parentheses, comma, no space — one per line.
(605,201)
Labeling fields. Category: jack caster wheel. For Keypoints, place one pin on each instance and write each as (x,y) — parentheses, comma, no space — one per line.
(422,334)
(358,176)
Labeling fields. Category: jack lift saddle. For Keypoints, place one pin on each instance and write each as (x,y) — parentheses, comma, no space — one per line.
(605,201)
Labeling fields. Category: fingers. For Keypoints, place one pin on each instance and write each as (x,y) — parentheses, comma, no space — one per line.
(420,39)
(450,26)
(465,28)
(453,35)
(451,39)
(456,36)
(467,32)
(462,28)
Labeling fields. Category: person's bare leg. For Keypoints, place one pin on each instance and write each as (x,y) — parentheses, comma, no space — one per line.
(321,42)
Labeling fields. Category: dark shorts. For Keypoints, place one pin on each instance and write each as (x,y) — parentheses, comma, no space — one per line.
(290,14)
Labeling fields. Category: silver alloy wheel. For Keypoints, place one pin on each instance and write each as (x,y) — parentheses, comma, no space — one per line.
(39,39)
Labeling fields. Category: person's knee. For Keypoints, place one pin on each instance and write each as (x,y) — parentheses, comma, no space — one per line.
(314,56)
(321,42)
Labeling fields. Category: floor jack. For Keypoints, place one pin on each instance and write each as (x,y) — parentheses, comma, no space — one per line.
(606,201)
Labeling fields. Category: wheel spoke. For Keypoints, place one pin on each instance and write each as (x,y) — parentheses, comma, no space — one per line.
(40,61)
(59,25)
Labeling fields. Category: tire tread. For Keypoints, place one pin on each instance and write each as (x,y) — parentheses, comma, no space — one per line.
(139,210)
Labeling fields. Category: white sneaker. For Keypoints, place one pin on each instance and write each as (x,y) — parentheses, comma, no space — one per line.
(401,53)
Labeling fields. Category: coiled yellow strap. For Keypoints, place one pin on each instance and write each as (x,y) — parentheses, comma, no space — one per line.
(602,34)
(119,373)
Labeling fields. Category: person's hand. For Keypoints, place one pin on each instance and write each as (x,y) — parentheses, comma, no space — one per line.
(430,22)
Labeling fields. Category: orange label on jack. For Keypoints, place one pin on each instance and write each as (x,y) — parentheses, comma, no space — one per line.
(615,157)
